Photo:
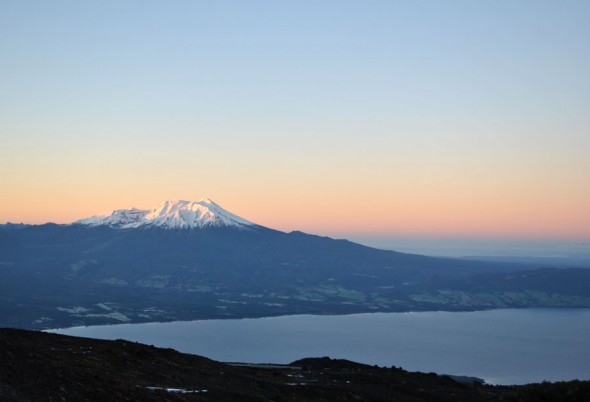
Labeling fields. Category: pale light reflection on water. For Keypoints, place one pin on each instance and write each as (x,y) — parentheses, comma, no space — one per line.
(500,346)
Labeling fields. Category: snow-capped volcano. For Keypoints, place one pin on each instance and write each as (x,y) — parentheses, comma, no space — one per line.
(177,214)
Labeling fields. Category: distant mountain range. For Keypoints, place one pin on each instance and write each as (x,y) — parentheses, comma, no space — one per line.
(193,260)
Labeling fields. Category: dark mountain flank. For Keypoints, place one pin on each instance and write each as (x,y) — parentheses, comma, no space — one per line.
(64,275)
(36,366)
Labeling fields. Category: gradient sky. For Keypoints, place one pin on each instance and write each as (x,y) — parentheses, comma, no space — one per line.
(381,118)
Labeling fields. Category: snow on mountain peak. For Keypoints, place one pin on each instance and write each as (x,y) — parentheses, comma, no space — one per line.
(170,214)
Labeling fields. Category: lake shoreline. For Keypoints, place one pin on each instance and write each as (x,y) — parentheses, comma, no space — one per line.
(41,365)
(496,345)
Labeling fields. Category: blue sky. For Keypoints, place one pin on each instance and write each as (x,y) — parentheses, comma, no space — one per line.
(302,60)
(455,118)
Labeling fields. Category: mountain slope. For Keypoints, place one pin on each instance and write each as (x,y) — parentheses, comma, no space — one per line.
(153,266)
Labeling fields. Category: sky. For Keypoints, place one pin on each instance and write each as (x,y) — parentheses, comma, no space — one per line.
(456,119)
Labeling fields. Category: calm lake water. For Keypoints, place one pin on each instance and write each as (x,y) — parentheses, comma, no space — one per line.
(500,346)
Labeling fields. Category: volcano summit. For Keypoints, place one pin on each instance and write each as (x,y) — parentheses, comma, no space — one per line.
(170,214)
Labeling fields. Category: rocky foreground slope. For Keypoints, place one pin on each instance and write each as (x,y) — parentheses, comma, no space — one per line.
(36,366)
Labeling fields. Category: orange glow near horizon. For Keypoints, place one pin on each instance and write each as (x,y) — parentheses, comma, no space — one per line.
(445,216)
(391,187)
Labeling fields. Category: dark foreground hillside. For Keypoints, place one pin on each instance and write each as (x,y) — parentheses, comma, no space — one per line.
(37,366)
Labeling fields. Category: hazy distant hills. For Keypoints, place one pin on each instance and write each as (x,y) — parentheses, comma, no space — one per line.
(191,266)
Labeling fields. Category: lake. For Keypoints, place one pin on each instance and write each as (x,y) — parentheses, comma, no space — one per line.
(501,346)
